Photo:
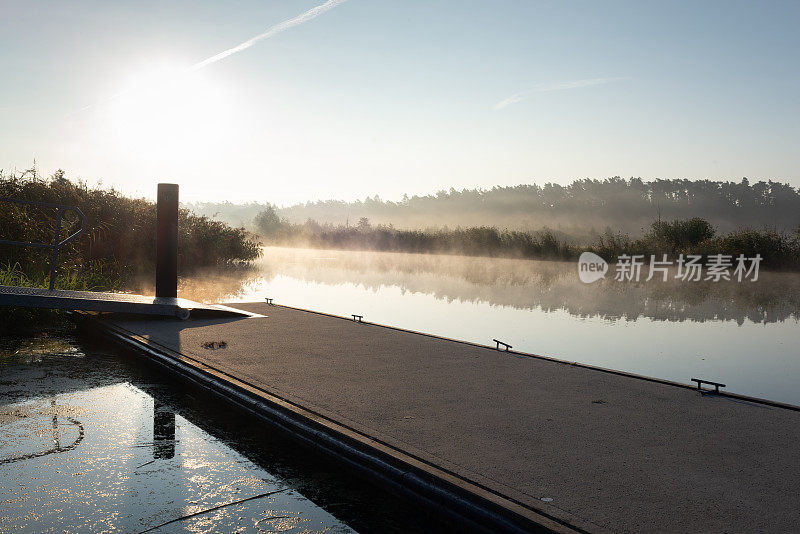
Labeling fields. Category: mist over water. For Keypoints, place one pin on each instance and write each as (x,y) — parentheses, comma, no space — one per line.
(521,284)
(741,333)
(578,211)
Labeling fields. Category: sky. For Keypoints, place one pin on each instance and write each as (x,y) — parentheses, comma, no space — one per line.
(348,99)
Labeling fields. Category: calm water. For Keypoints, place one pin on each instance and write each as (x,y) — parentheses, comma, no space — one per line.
(97,441)
(745,334)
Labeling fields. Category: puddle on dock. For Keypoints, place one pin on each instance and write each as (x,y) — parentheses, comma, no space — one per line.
(95,441)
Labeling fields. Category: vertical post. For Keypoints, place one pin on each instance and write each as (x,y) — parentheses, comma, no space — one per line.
(167,241)
(54,255)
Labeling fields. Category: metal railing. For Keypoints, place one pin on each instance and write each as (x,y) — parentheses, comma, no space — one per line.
(57,243)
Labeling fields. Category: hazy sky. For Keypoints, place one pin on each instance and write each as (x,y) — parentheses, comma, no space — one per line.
(370,97)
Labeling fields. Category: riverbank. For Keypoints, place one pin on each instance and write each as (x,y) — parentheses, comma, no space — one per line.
(696,236)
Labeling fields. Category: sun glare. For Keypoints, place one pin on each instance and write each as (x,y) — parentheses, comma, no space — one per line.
(168,113)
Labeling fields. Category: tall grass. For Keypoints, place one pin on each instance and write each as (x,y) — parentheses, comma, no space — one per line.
(26,321)
(88,280)
(119,241)
(117,248)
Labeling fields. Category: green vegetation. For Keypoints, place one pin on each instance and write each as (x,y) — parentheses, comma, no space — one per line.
(118,244)
(27,321)
(476,241)
(679,235)
(13,275)
(120,237)
(779,250)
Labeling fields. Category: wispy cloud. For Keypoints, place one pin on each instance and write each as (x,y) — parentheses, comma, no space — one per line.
(312,13)
(547,87)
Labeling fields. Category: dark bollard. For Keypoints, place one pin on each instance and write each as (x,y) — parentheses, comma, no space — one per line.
(167,241)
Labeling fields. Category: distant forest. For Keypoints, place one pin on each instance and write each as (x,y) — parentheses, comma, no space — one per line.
(581,210)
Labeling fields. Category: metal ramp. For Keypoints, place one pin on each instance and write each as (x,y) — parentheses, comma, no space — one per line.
(30,297)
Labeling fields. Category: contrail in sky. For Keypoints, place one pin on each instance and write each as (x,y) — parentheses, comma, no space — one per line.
(312,13)
(545,87)
(278,28)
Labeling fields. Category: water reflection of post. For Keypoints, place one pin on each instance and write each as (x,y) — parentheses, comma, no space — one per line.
(166,286)
(163,431)
(56,439)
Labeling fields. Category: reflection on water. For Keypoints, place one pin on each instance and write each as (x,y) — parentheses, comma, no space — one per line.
(522,284)
(126,472)
(743,334)
(96,442)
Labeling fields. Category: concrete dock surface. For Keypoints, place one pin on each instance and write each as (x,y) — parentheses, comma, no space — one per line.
(579,448)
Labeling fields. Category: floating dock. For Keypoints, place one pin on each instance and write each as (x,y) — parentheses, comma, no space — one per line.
(500,440)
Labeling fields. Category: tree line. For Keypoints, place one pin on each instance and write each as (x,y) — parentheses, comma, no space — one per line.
(583,209)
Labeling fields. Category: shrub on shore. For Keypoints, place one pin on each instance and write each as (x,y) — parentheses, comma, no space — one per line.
(119,241)
(779,250)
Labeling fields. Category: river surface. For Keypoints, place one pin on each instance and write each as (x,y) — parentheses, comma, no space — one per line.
(744,334)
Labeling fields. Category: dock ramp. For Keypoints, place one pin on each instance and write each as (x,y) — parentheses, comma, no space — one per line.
(59,299)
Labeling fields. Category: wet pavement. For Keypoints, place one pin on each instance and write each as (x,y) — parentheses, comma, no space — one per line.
(93,440)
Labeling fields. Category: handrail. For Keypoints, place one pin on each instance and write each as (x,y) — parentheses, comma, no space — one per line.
(57,243)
